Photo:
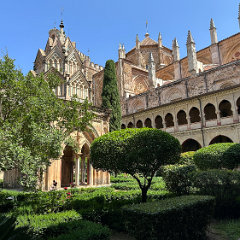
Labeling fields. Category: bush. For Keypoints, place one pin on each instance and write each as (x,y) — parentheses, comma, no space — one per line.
(225,186)
(178,178)
(217,156)
(184,217)
(186,158)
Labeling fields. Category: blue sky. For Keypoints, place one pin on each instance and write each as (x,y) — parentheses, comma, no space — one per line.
(101,25)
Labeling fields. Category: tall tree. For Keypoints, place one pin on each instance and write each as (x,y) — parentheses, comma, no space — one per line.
(110,95)
(34,122)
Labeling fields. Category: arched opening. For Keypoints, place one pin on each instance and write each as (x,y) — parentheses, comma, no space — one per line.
(210,112)
(190,145)
(194,115)
(221,139)
(225,109)
(67,166)
(123,126)
(182,118)
(238,105)
(169,120)
(139,124)
(130,125)
(158,122)
(85,165)
(148,123)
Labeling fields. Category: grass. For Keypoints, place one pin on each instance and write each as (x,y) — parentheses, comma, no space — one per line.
(229,229)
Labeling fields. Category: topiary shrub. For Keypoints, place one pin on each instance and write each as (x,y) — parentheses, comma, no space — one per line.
(185,217)
(178,178)
(186,158)
(217,156)
(225,186)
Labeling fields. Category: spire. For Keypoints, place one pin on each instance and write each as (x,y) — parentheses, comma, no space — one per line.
(61,24)
(150,59)
(137,42)
(175,47)
(159,40)
(213,32)
(212,25)
(120,46)
(151,70)
(147,34)
(190,38)
(62,34)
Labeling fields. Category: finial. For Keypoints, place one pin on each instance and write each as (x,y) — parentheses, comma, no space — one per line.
(137,38)
(147,34)
(159,36)
(120,46)
(160,40)
(189,38)
(175,43)
(61,24)
(123,47)
(212,25)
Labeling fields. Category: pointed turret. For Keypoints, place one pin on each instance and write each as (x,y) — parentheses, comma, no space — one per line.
(213,32)
(191,54)
(175,48)
(137,42)
(160,40)
(151,70)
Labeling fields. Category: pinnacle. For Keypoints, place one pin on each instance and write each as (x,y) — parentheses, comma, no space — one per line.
(190,38)
(212,25)
(151,59)
(159,36)
(175,43)
(120,46)
(137,38)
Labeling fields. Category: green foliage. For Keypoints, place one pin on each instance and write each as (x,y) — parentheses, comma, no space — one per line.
(178,178)
(138,152)
(186,158)
(34,122)
(110,95)
(224,185)
(7,225)
(217,156)
(184,217)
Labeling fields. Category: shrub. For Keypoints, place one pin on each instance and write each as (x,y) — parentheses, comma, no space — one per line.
(225,186)
(217,156)
(186,158)
(184,217)
(178,178)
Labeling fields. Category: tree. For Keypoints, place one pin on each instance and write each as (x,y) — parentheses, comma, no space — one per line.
(139,152)
(34,122)
(110,95)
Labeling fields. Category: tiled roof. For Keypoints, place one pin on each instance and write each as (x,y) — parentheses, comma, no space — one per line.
(148,41)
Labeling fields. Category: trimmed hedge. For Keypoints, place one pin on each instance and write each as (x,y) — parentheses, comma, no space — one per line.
(178,178)
(55,224)
(186,158)
(185,217)
(225,186)
(217,156)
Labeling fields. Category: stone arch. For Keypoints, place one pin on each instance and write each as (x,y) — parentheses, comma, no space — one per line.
(182,118)
(148,123)
(227,85)
(225,108)
(139,124)
(140,84)
(194,114)
(233,54)
(85,164)
(220,139)
(190,145)
(123,126)
(158,122)
(67,166)
(210,112)
(137,105)
(169,120)
(130,125)
(238,105)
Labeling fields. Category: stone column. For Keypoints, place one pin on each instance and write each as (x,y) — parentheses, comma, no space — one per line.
(77,171)
(218,118)
(188,123)
(90,175)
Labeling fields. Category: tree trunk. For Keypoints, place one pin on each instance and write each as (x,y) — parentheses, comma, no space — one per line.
(144,194)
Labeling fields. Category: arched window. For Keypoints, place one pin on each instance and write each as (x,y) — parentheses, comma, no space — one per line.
(123,126)
(225,109)
(182,118)
(194,115)
(169,120)
(130,125)
(238,105)
(190,145)
(220,139)
(139,124)
(148,123)
(158,122)
(210,112)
